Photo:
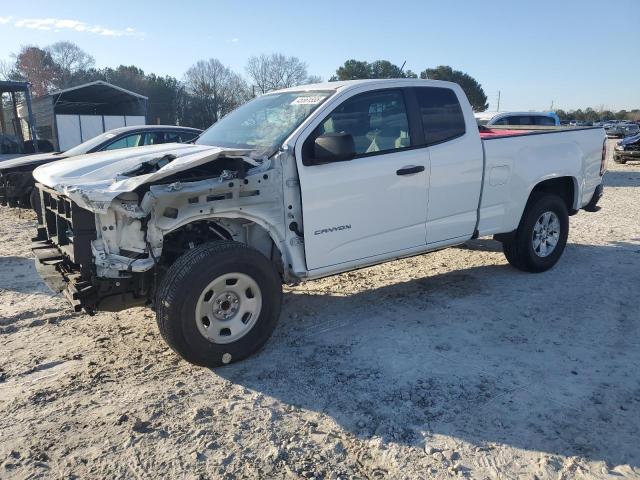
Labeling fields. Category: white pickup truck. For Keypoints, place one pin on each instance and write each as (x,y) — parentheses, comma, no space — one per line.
(300,184)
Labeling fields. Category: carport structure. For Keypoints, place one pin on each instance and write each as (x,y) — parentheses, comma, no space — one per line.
(71,116)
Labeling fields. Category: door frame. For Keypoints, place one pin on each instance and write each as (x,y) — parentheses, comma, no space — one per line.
(417,138)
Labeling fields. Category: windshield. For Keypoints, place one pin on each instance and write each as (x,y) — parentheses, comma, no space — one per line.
(88,145)
(265,122)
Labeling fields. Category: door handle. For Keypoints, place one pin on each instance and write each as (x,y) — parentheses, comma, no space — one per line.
(410,170)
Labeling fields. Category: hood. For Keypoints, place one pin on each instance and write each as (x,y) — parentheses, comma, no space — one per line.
(626,141)
(95,179)
(26,160)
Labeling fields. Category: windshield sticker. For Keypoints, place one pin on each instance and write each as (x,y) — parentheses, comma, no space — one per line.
(308,100)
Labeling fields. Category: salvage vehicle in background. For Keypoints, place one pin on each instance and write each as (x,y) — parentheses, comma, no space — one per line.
(300,184)
(16,180)
(621,129)
(627,149)
(541,119)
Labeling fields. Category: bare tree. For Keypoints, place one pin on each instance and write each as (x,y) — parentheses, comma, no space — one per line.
(312,79)
(6,70)
(275,71)
(71,60)
(217,88)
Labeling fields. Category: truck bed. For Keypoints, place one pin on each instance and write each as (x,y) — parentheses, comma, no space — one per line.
(516,159)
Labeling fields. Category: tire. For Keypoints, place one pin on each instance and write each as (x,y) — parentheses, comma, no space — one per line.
(34,202)
(520,250)
(619,160)
(183,309)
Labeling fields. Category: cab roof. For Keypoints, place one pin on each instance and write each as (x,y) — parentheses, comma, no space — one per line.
(347,84)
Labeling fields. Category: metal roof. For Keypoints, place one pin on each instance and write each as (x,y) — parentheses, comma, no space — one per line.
(95,84)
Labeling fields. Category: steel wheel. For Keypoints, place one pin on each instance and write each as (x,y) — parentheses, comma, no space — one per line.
(228,308)
(546,233)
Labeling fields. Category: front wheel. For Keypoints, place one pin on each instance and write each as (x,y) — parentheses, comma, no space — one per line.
(218,303)
(541,236)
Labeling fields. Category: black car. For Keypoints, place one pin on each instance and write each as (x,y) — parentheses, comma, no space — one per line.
(627,149)
(16,180)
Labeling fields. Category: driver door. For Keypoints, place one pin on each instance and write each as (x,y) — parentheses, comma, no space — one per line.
(376,203)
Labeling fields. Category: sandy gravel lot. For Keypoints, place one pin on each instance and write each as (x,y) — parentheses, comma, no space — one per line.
(449,364)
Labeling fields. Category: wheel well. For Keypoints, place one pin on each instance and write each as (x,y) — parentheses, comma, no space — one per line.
(564,187)
(188,236)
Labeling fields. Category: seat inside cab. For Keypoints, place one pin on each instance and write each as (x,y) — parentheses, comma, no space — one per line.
(378,122)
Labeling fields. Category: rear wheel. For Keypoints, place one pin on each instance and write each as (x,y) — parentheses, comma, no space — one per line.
(218,303)
(619,160)
(541,237)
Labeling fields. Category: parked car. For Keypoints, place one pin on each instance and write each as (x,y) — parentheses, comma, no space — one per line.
(621,129)
(581,123)
(546,119)
(12,147)
(300,184)
(627,149)
(16,180)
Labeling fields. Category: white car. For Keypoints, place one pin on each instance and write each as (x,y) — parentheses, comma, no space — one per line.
(300,184)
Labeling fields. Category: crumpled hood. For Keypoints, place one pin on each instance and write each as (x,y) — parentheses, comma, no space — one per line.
(626,141)
(95,179)
(26,160)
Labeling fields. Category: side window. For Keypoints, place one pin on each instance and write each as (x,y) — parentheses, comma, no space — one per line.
(188,136)
(179,137)
(516,120)
(377,121)
(442,117)
(545,121)
(126,142)
(153,138)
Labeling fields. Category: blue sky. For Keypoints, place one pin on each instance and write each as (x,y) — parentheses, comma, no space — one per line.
(576,53)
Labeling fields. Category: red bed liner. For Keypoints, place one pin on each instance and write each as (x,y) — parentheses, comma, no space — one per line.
(489,133)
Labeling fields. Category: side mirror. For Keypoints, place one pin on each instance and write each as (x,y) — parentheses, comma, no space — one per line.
(334,147)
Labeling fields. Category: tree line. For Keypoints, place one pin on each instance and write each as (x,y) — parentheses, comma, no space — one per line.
(209,89)
(596,115)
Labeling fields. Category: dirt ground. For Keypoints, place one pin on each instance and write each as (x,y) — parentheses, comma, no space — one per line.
(448,364)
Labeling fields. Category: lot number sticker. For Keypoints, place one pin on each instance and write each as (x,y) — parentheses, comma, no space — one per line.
(308,100)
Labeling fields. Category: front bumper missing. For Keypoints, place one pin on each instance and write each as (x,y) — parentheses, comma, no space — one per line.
(65,261)
(88,294)
(60,276)
(15,189)
(93,294)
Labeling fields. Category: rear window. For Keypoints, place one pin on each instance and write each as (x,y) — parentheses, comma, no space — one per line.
(442,117)
(541,120)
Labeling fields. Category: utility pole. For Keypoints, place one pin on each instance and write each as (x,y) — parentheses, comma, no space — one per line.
(551,109)
(498,109)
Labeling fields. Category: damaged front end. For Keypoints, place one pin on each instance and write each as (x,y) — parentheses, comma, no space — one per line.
(66,258)
(15,187)
(107,246)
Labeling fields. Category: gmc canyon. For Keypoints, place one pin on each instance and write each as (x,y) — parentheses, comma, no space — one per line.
(300,184)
